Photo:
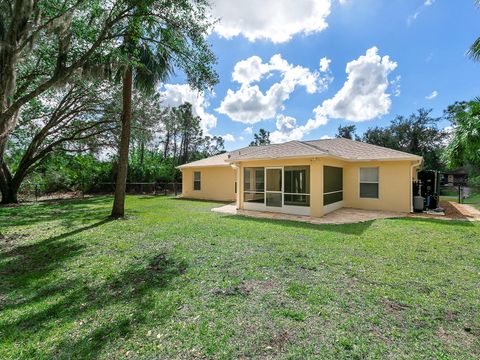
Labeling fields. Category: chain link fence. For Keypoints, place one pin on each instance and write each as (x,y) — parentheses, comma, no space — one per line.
(33,193)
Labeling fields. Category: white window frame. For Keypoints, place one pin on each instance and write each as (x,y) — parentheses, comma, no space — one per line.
(273,191)
(199,181)
(368,182)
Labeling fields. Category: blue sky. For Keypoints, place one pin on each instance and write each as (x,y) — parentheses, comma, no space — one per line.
(425,41)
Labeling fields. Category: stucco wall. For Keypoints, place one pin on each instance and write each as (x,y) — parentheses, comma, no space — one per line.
(394,186)
(217,183)
(394,183)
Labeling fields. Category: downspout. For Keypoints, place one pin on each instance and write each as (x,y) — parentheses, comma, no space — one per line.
(411,180)
(237,177)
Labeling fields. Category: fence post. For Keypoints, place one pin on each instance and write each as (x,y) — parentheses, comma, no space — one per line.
(175,187)
(36,192)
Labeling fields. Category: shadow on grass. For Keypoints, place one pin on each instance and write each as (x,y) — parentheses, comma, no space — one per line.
(70,212)
(92,314)
(426,220)
(348,229)
(22,264)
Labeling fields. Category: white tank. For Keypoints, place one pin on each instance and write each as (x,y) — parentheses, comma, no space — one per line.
(418,203)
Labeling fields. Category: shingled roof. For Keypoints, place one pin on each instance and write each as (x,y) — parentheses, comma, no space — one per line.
(341,148)
(212,161)
(344,149)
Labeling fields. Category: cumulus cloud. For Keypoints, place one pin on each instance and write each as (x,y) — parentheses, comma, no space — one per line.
(432,96)
(177,94)
(287,128)
(428,2)
(250,105)
(273,20)
(325,64)
(248,130)
(363,97)
(228,137)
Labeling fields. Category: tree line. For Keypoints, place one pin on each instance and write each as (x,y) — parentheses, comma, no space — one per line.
(69,69)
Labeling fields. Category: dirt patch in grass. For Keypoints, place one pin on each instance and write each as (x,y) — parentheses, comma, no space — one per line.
(394,306)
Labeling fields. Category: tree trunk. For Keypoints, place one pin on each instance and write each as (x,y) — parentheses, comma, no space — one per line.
(142,152)
(10,194)
(8,186)
(118,209)
(167,145)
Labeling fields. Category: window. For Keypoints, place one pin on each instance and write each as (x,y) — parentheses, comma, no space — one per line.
(332,185)
(254,185)
(196,181)
(297,186)
(369,183)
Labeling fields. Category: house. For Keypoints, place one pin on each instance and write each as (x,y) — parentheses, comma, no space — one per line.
(306,177)
(455,177)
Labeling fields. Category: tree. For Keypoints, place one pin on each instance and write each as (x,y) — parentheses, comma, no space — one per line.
(474,51)
(162,34)
(464,145)
(416,134)
(45,43)
(261,138)
(347,132)
(71,119)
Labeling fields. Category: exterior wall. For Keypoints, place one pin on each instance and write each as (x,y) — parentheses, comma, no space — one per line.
(217,183)
(395,182)
(395,179)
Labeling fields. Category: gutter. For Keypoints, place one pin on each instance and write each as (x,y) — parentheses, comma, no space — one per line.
(419,162)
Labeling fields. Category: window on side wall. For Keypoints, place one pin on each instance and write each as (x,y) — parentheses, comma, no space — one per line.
(369,183)
(197,181)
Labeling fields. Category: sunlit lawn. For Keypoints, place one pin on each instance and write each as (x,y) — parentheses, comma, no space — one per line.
(175,280)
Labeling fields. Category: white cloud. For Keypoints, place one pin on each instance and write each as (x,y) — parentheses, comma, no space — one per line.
(250,105)
(325,64)
(325,137)
(363,97)
(395,85)
(412,17)
(273,20)
(432,96)
(287,128)
(177,94)
(241,138)
(228,137)
(248,130)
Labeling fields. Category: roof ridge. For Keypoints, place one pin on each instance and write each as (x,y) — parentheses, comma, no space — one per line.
(314,146)
(363,143)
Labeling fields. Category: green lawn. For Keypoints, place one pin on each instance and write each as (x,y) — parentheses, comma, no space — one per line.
(175,280)
(474,200)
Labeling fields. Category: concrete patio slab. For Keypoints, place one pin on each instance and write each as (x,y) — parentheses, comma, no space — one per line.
(340,216)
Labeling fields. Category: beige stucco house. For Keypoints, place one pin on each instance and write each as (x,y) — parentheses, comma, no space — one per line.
(306,177)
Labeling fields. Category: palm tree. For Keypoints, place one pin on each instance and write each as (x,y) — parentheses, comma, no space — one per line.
(145,68)
(464,147)
(474,51)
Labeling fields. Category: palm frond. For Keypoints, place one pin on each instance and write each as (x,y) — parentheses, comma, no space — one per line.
(474,51)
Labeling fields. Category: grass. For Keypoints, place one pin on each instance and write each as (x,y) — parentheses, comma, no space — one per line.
(473,200)
(175,280)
